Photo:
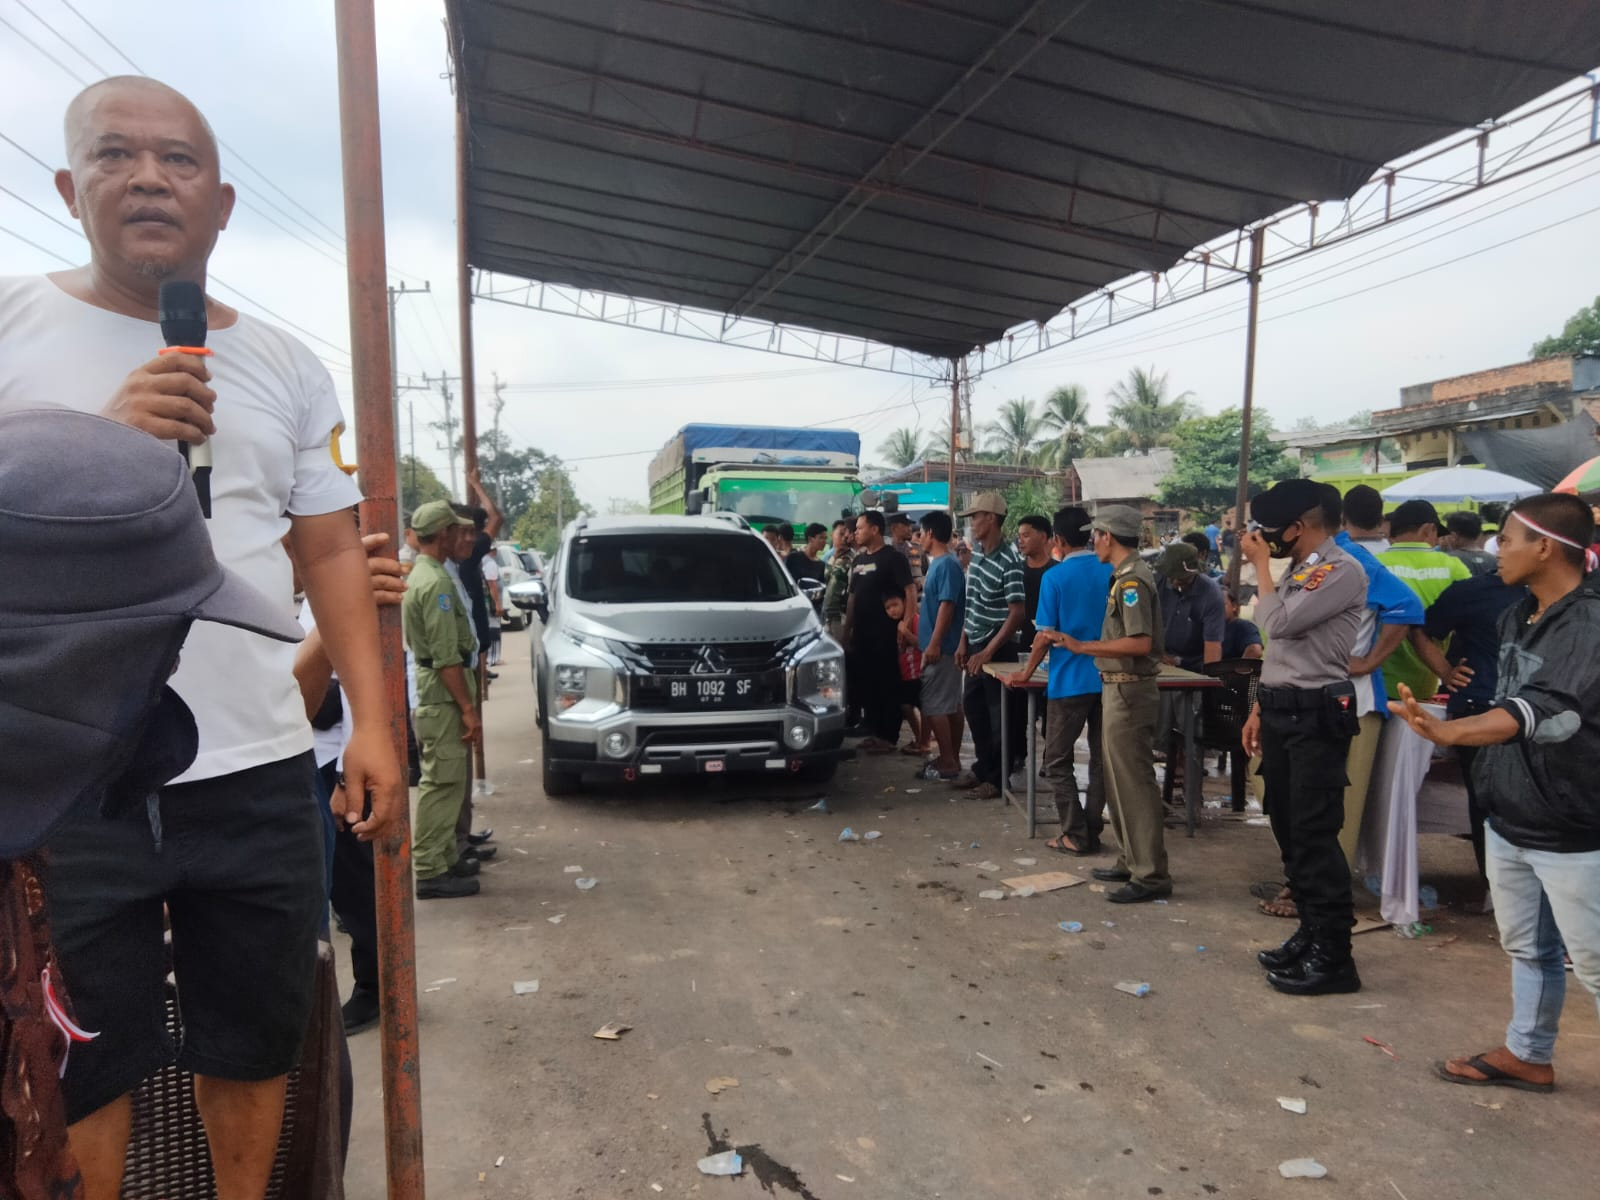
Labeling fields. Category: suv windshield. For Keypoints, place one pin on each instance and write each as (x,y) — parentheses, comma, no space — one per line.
(665,568)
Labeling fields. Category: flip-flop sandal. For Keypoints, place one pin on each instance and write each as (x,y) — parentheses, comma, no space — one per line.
(912,749)
(1267,890)
(1055,844)
(1285,909)
(1493,1076)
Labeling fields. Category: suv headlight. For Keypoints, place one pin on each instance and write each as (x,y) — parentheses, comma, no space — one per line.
(819,680)
(572,683)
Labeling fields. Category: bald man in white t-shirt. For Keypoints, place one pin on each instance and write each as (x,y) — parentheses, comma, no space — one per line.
(232,849)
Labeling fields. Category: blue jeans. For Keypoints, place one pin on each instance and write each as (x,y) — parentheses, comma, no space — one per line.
(1541,899)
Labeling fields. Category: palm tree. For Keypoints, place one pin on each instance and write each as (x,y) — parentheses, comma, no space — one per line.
(1067,412)
(1014,436)
(1141,407)
(901,448)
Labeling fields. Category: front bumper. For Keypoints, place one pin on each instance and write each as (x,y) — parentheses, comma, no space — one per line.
(700,743)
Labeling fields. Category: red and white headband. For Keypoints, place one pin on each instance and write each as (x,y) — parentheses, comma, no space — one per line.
(1543,532)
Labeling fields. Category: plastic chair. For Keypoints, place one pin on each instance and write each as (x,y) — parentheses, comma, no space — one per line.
(1223,712)
(168,1157)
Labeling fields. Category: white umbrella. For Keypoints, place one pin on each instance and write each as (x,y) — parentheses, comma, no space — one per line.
(1448,485)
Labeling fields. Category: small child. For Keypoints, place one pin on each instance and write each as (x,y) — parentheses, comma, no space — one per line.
(910,660)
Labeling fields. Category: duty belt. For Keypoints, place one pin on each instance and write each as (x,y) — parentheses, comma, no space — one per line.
(1122,677)
(1287,699)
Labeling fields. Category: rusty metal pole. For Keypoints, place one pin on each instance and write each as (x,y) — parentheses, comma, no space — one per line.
(955,427)
(1242,496)
(375,446)
(469,395)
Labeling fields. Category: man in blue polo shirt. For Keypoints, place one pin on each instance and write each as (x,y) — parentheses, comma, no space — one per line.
(1072,600)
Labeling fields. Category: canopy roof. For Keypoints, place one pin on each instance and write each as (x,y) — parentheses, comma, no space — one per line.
(930,173)
(1450,485)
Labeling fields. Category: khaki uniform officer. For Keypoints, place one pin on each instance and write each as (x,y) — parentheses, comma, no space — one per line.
(441,639)
(1304,719)
(1128,656)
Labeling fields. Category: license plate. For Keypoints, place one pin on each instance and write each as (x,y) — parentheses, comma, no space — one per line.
(724,691)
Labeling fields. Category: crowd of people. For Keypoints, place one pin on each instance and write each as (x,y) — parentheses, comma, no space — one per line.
(1357,615)
(170,765)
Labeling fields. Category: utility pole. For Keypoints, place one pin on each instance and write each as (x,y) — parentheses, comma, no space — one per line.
(448,425)
(394,380)
(499,407)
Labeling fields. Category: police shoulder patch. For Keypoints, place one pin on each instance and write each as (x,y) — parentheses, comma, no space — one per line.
(444,604)
(1130,596)
(1318,575)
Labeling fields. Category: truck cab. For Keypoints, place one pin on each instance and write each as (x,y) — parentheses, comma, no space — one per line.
(767,496)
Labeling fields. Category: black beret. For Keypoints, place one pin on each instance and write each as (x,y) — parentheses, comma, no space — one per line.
(1285,502)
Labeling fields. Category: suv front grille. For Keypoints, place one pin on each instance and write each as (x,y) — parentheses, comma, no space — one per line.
(746,658)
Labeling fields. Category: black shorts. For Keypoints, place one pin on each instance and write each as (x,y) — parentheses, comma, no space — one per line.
(240,870)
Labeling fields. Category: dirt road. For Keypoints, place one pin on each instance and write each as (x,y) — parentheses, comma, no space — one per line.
(894,1036)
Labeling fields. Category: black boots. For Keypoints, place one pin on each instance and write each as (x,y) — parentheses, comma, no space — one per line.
(1289,953)
(1325,968)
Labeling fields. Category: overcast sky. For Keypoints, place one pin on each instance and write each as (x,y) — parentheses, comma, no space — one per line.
(265,76)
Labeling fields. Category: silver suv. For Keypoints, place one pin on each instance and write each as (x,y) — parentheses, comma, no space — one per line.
(680,645)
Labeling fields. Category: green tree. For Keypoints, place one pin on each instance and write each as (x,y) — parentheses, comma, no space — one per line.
(555,502)
(1066,414)
(1014,435)
(1580,335)
(901,448)
(1141,408)
(1205,471)
(418,484)
(1027,497)
(510,474)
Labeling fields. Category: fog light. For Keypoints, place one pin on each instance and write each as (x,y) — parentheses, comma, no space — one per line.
(616,744)
(797,736)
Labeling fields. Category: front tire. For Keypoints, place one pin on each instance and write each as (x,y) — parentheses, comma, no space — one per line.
(558,783)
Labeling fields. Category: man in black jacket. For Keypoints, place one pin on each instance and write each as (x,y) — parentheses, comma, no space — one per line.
(1535,777)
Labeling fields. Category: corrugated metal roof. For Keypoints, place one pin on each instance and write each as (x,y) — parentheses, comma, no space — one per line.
(929,173)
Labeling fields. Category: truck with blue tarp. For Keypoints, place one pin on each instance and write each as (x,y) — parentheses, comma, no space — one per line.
(767,474)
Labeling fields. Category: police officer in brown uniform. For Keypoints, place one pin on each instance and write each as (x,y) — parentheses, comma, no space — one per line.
(1303,723)
(1128,656)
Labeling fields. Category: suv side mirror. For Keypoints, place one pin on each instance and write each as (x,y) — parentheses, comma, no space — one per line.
(813,590)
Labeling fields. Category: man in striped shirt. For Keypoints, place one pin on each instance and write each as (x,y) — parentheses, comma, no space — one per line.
(994,614)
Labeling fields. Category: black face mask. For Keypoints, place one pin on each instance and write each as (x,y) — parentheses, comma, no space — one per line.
(1276,546)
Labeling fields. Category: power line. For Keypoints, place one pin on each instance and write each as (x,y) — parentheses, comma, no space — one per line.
(35,245)
(1358,292)
(23,5)
(81,80)
(28,153)
(1138,343)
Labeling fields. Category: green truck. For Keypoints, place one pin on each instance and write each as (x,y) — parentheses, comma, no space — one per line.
(767,474)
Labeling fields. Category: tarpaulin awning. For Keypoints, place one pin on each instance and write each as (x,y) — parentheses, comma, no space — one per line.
(930,173)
